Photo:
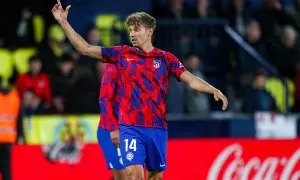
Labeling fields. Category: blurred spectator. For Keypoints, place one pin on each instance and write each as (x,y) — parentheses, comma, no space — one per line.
(24,30)
(53,48)
(296,107)
(187,42)
(201,10)
(278,89)
(285,53)
(237,15)
(256,97)
(62,81)
(9,120)
(175,100)
(174,9)
(31,103)
(271,16)
(37,81)
(40,7)
(195,103)
(92,36)
(253,37)
(83,87)
(289,37)
(83,91)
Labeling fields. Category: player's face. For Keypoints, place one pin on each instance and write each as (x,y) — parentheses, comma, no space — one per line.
(139,35)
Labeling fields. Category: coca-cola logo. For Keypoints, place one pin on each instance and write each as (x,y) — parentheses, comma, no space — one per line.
(231,165)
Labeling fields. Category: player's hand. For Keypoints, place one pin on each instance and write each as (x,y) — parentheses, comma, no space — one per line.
(59,13)
(219,95)
(115,137)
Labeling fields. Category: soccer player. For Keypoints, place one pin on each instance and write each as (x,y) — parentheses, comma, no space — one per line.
(108,133)
(144,73)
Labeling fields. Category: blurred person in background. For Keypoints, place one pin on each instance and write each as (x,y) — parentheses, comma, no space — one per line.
(237,15)
(175,9)
(271,17)
(31,104)
(256,97)
(39,7)
(24,30)
(37,81)
(53,48)
(253,37)
(75,88)
(195,103)
(10,118)
(178,10)
(83,89)
(62,81)
(201,10)
(92,36)
(284,52)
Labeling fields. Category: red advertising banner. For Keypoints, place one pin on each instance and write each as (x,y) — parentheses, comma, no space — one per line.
(193,159)
(234,159)
(30,163)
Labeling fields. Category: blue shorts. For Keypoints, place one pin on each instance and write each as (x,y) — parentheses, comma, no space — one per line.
(144,146)
(111,153)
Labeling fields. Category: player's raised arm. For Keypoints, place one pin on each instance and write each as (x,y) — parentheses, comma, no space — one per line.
(200,85)
(77,41)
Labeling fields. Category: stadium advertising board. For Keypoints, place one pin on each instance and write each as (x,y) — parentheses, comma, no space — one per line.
(197,159)
(275,126)
(47,130)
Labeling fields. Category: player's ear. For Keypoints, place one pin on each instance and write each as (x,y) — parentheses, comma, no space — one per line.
(150,31)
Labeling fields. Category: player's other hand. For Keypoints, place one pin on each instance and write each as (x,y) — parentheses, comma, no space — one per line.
(59,13)
(219,95)
(115,137)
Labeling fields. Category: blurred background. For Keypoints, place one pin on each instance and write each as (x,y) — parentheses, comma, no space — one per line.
(249,49)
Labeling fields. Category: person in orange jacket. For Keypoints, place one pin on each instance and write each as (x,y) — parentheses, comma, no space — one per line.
(9,126)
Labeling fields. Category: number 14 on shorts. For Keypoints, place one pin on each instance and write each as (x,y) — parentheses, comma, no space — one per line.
(130,145)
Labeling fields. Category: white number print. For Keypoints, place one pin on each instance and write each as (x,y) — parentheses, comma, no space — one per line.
(131,145)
